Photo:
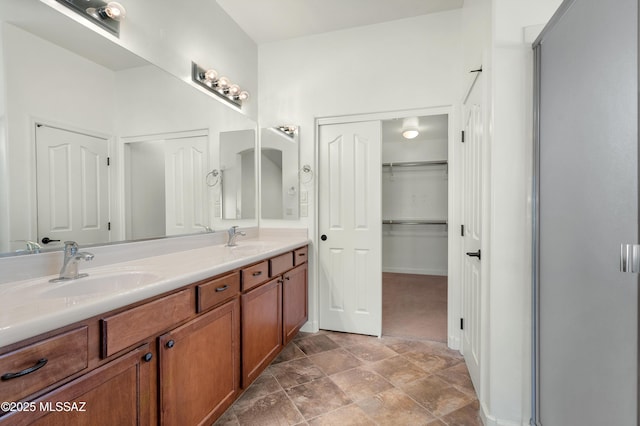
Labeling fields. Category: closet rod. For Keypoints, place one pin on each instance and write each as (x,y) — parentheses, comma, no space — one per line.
(414,222)
(415,163)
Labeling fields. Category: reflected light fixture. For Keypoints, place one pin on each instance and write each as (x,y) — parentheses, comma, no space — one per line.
(410,127)
(106,14)
(288,130)
(220,86)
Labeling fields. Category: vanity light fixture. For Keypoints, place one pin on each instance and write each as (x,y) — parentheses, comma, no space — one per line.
(220,86)
(288,130)
(106,14)
(410,127)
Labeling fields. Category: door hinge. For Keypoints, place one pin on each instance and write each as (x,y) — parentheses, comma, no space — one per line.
(108,161)
(462,230)
(462,137)
(461,323)
(108,226)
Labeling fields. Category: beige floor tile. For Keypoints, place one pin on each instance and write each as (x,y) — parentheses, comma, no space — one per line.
(436,395)
(351,415)
(371,351)
(271,410)
(315,344)
(360,383)
(398,370)
(334,361)
(317,397)
(295,372)
(393,408)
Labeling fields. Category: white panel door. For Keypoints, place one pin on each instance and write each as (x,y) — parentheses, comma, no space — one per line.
(350,224)
(72,186)
(472,221)
(185,165)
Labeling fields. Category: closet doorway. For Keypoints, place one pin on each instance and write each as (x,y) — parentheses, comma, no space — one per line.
(406,224)
(415,182)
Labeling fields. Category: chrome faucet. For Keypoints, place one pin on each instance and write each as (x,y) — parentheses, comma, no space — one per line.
(72,256)
(233,234)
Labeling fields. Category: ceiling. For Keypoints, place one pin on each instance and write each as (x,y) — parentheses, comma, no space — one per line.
(273,20)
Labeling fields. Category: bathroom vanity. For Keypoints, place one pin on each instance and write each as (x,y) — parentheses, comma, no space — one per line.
(181,356)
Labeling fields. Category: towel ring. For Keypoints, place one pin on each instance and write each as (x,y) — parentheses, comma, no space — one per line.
(305,174)
(212,177)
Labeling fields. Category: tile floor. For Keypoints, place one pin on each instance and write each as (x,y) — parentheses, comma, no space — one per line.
(330,378)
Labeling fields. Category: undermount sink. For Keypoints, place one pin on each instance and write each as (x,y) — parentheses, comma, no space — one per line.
(109,282)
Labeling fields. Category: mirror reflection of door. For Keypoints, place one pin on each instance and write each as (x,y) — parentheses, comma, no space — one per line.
(167,172)
(72,186)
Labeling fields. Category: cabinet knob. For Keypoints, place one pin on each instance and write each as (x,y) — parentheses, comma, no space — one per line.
(287,278)
(170,344)
(147,357)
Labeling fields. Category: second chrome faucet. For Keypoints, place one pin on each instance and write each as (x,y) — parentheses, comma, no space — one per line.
(233,234)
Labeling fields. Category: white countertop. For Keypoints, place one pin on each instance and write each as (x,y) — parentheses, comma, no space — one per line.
(35,306)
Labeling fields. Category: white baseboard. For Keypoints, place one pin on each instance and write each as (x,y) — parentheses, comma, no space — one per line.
(454,342)
(417,271)
(489,420)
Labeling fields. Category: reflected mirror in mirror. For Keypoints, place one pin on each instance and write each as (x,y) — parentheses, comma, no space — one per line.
(238,174)
(104,146)
(279,172)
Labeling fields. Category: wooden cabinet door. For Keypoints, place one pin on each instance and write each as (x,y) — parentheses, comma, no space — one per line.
(200,367)
(118,393)
(294,302)
(261,328)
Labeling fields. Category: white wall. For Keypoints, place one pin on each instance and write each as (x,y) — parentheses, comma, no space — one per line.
(404,64)
(171,36)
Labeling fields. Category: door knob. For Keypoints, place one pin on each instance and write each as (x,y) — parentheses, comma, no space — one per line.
(323,237)
(474,254)
(47,240)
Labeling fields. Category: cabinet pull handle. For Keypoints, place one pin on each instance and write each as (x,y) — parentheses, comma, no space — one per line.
(148,356)
(257,274)
(41,363)
(280,281)
(287,278)
(223,288)
(170,344)
(302,254)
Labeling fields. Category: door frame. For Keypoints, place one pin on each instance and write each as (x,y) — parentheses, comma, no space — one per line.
(454,247)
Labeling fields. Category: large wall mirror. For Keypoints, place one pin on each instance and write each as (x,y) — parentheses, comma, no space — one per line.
(279,165)
(100,146)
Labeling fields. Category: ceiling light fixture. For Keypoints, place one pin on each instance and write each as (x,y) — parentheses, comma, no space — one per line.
(410,127)
(220,86)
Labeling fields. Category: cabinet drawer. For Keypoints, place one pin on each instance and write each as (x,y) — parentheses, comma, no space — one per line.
(255,275)
(280,264)
(59,357)
(300,256)
(122,330)
(216,291)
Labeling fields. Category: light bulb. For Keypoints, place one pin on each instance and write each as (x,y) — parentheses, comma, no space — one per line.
(209,75)
(113,10)
(410,134)
(243,96)
(410,127)
(234,89)
(223,82)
